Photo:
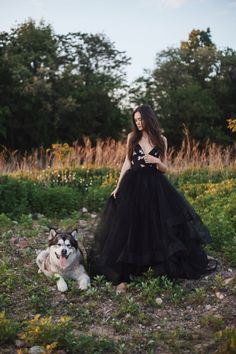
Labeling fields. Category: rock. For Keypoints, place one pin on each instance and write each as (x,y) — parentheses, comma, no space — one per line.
(36,349)
(19,343)
(84,210)
(227,281)
(219,295)
(230,270)
(23,243)
(93,216)
(158,300)
(208,307)
(83,223)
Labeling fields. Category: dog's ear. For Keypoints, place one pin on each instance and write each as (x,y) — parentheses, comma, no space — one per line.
(52,234)
(74,233)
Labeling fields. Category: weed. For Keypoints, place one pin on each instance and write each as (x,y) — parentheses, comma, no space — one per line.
(8,329)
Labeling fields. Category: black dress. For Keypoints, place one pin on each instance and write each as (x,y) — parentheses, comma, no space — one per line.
(149,224)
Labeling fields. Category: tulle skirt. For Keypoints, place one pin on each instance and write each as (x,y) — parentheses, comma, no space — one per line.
(149,224)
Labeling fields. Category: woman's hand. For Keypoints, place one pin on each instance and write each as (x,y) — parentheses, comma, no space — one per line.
(151,159)
(113,193)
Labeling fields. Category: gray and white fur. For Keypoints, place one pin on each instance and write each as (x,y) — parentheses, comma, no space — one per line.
(62,259)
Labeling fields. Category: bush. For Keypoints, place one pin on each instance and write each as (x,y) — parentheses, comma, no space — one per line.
(14,196)
(20,196)
(57,201)
(213,200)
(8,329)
(59,334)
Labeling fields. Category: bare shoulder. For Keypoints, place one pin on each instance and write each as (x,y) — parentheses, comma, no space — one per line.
(165,142)
(164,139)
(129,136)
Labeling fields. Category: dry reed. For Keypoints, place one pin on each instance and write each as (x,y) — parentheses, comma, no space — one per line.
(110,153)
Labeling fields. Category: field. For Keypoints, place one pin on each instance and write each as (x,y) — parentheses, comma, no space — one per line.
(156,315)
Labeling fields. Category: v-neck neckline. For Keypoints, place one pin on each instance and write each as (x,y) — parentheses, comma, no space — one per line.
(144,151)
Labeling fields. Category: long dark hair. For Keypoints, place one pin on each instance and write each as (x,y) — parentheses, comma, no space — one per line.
(152,128)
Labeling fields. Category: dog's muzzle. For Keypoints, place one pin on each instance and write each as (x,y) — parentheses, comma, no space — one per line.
(63,254)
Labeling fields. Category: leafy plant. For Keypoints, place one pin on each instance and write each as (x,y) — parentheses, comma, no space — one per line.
(8,329)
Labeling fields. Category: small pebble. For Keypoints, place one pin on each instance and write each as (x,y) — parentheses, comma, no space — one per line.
(36,349)
(208,307)
(159,301)
(219,295)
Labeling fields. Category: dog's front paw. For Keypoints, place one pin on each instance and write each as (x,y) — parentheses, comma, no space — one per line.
(84,283)
(62,286)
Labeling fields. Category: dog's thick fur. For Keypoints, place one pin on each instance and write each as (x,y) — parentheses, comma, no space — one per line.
(62,259)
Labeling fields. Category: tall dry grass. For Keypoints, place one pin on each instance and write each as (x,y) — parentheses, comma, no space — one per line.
(110,153)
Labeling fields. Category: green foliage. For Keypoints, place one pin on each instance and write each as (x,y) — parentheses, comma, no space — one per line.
(194,85)
(60,201)
(20,196)
(214,322)
(5,222)
(8,329)
(226,340)
(198,296)
(63,86)
(215,202)
(151,287)
(13,196)
(52,334)
(212,195)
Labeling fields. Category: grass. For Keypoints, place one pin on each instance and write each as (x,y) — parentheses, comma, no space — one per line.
(156,315)
(98,320)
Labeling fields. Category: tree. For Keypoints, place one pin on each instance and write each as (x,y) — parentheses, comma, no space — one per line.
(186,87)
(57,88)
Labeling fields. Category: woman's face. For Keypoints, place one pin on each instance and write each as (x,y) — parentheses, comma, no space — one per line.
(138,121)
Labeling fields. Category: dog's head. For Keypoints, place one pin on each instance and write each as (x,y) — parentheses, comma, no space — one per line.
(63,246)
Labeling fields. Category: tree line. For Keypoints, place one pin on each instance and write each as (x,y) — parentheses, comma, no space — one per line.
(59,88)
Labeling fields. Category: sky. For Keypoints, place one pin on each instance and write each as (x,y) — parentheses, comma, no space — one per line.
(141,28)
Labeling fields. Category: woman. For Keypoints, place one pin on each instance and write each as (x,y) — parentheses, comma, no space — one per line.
(146,221)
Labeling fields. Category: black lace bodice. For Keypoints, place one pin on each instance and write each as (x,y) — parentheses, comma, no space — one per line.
(137,160)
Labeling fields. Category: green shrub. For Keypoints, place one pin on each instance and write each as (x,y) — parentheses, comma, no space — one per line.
(14,196)
(57,201)
(226,340)
(96,197)
(52,334)
(8,329)
(5,222)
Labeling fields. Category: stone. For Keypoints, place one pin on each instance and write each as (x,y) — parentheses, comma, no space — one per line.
(36,349)
(23,243)
(227,281)
(83,223)
(19,343)
(158,300)
(219,295)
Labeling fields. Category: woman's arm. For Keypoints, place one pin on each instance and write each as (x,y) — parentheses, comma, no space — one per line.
(161,165)
(126,166)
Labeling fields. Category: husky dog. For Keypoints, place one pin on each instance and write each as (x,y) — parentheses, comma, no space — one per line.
(62,259)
